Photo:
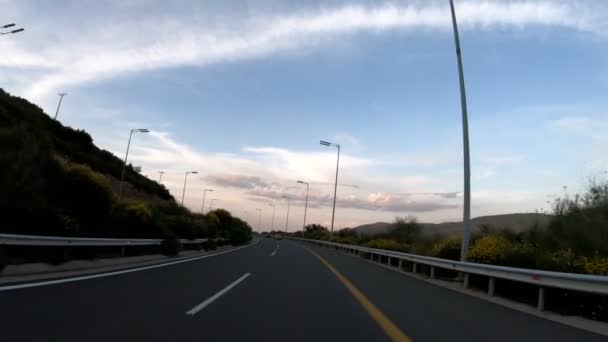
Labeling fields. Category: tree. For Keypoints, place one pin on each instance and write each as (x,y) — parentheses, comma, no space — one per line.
(316,231)
(406,230)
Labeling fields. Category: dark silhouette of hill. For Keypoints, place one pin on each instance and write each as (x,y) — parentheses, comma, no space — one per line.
(55,181)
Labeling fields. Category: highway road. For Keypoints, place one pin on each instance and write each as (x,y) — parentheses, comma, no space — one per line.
(270,291)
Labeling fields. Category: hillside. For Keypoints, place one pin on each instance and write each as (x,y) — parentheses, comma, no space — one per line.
(44,135)
(515,222)
(55,181)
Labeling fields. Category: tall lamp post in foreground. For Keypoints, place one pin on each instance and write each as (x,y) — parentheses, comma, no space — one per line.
(305,206)
(466,210)
(274,207)
(287,217)
(204,194)
(124,165)
(333,213)
(185,180)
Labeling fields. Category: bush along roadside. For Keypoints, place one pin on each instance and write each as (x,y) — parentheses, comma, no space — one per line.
(2,258)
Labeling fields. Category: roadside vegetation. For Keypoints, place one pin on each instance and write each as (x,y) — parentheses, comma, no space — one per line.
(55,181)
(575,240)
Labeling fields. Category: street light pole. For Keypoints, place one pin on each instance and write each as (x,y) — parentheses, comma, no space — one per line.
(160,176)
(274,207)
(333,213)
(124,165)
(466,210)
(211,203)
(204,193)
(61,95)
(305,206)
(259,218)
(287,218)
(185,180)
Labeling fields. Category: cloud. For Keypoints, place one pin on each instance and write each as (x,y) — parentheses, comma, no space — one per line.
(489,164)
(594,128)
(237,181)
(373,201)
(91,50)
(264,190)
(446,195)
(589,130)
(309,166)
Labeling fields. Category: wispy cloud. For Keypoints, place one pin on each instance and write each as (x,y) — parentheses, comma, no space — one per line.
(271,191)
(592,127)
(90,50)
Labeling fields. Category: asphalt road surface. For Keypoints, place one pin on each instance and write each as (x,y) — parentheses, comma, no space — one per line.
(269,291)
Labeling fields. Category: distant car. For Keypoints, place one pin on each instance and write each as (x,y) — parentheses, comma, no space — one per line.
(278,236)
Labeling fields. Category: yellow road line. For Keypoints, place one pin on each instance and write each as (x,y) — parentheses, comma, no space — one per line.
(393,332)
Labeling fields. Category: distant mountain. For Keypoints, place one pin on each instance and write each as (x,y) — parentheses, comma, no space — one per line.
(374,228)
(515,222)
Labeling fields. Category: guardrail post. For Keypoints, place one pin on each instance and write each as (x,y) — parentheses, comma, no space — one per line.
(466,281)
(414,267)
(541,299)
(491,282)
(122,251)
(432,272)
(400,265)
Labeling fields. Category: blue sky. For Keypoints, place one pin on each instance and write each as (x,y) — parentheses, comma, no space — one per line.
(242,91)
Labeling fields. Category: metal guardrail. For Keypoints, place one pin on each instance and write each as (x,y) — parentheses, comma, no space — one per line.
(39,240)
(568,281)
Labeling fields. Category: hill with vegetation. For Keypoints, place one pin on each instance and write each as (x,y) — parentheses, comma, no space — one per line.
(55,181)
(515,222)
(573,239)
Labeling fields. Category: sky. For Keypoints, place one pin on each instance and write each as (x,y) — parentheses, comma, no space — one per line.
(243,91)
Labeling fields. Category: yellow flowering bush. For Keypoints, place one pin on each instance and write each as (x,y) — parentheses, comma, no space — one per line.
(595,265)
(490,249)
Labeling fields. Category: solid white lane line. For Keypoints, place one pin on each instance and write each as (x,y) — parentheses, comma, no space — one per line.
(108,274)
(211,299)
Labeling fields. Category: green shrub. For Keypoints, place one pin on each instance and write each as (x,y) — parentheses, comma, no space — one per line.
(563,261)
(170,246)
(316,232)
(211,244)
(386,244)
(137,219)
(521,254)
(349,240)
(3,258)
(448,248)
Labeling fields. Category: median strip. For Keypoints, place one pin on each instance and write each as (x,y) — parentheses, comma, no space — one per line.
(390,328)
(213,298)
